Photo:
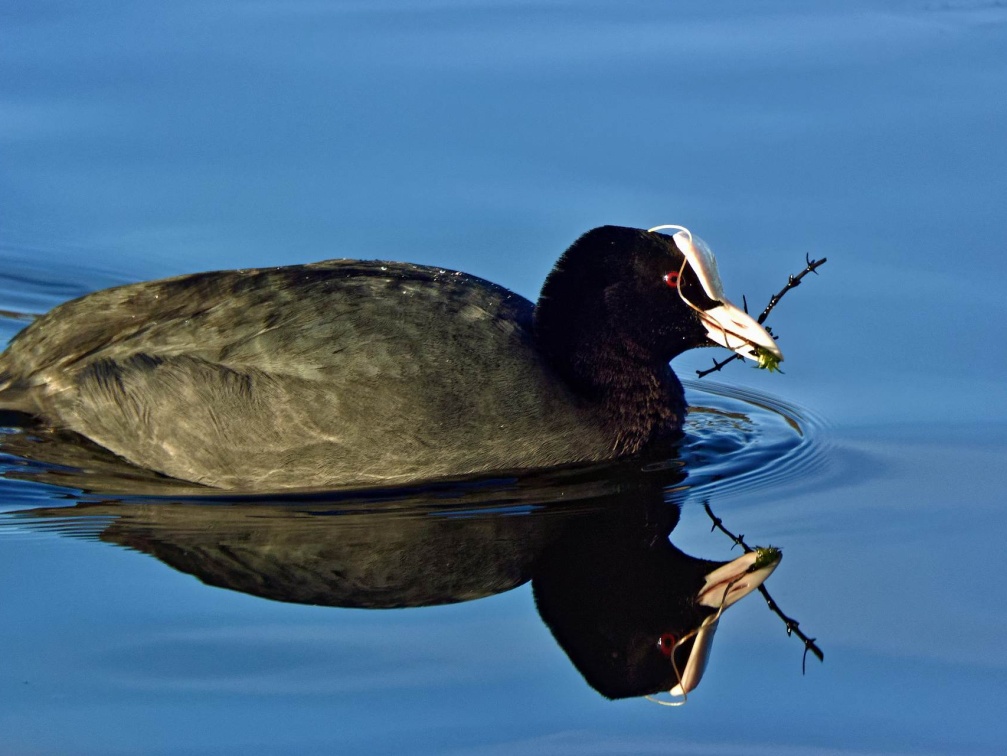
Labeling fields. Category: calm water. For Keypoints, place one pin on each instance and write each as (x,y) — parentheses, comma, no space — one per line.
(485,136)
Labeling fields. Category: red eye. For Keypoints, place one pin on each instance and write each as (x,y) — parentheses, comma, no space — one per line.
(671,279)
(666,642)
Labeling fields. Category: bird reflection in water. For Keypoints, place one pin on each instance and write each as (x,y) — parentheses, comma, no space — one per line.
(635,614)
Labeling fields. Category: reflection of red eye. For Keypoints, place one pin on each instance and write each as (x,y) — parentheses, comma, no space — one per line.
(671,279)
(666,642)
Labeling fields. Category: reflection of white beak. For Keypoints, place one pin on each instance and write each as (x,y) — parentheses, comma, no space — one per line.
(735,580)
(735,329)
(723,587)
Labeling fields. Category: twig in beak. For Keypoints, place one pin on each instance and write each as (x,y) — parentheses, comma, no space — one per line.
(792,283)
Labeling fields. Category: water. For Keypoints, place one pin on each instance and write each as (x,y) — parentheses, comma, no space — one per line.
(140,142)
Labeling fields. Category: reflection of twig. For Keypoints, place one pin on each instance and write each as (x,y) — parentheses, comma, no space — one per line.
(792,283)
(793,626)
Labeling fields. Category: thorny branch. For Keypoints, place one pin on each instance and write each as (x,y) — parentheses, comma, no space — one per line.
(792,625)
(792,283)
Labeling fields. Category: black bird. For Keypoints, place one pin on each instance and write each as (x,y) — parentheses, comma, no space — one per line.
(634,614)
(352,373)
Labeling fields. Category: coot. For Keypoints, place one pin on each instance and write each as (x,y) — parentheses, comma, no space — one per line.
(348,372)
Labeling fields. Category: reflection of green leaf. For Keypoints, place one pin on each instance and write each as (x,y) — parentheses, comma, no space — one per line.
(765,556)
(767,360)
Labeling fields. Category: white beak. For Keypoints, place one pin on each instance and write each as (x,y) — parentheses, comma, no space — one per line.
(735,329)
(725,324)
(723,587)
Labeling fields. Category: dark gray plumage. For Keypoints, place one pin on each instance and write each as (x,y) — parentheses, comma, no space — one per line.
(347,372)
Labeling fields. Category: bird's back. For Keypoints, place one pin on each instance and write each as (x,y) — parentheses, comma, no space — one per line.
(334,373)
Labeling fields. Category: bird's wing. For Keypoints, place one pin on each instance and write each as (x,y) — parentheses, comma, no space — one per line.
(205,422)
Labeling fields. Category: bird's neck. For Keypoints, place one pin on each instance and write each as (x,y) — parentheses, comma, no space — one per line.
(638,396)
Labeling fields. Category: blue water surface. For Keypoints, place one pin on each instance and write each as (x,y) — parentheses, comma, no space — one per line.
(141,140)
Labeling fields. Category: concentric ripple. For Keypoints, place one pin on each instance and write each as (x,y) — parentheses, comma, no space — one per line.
(740,440)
